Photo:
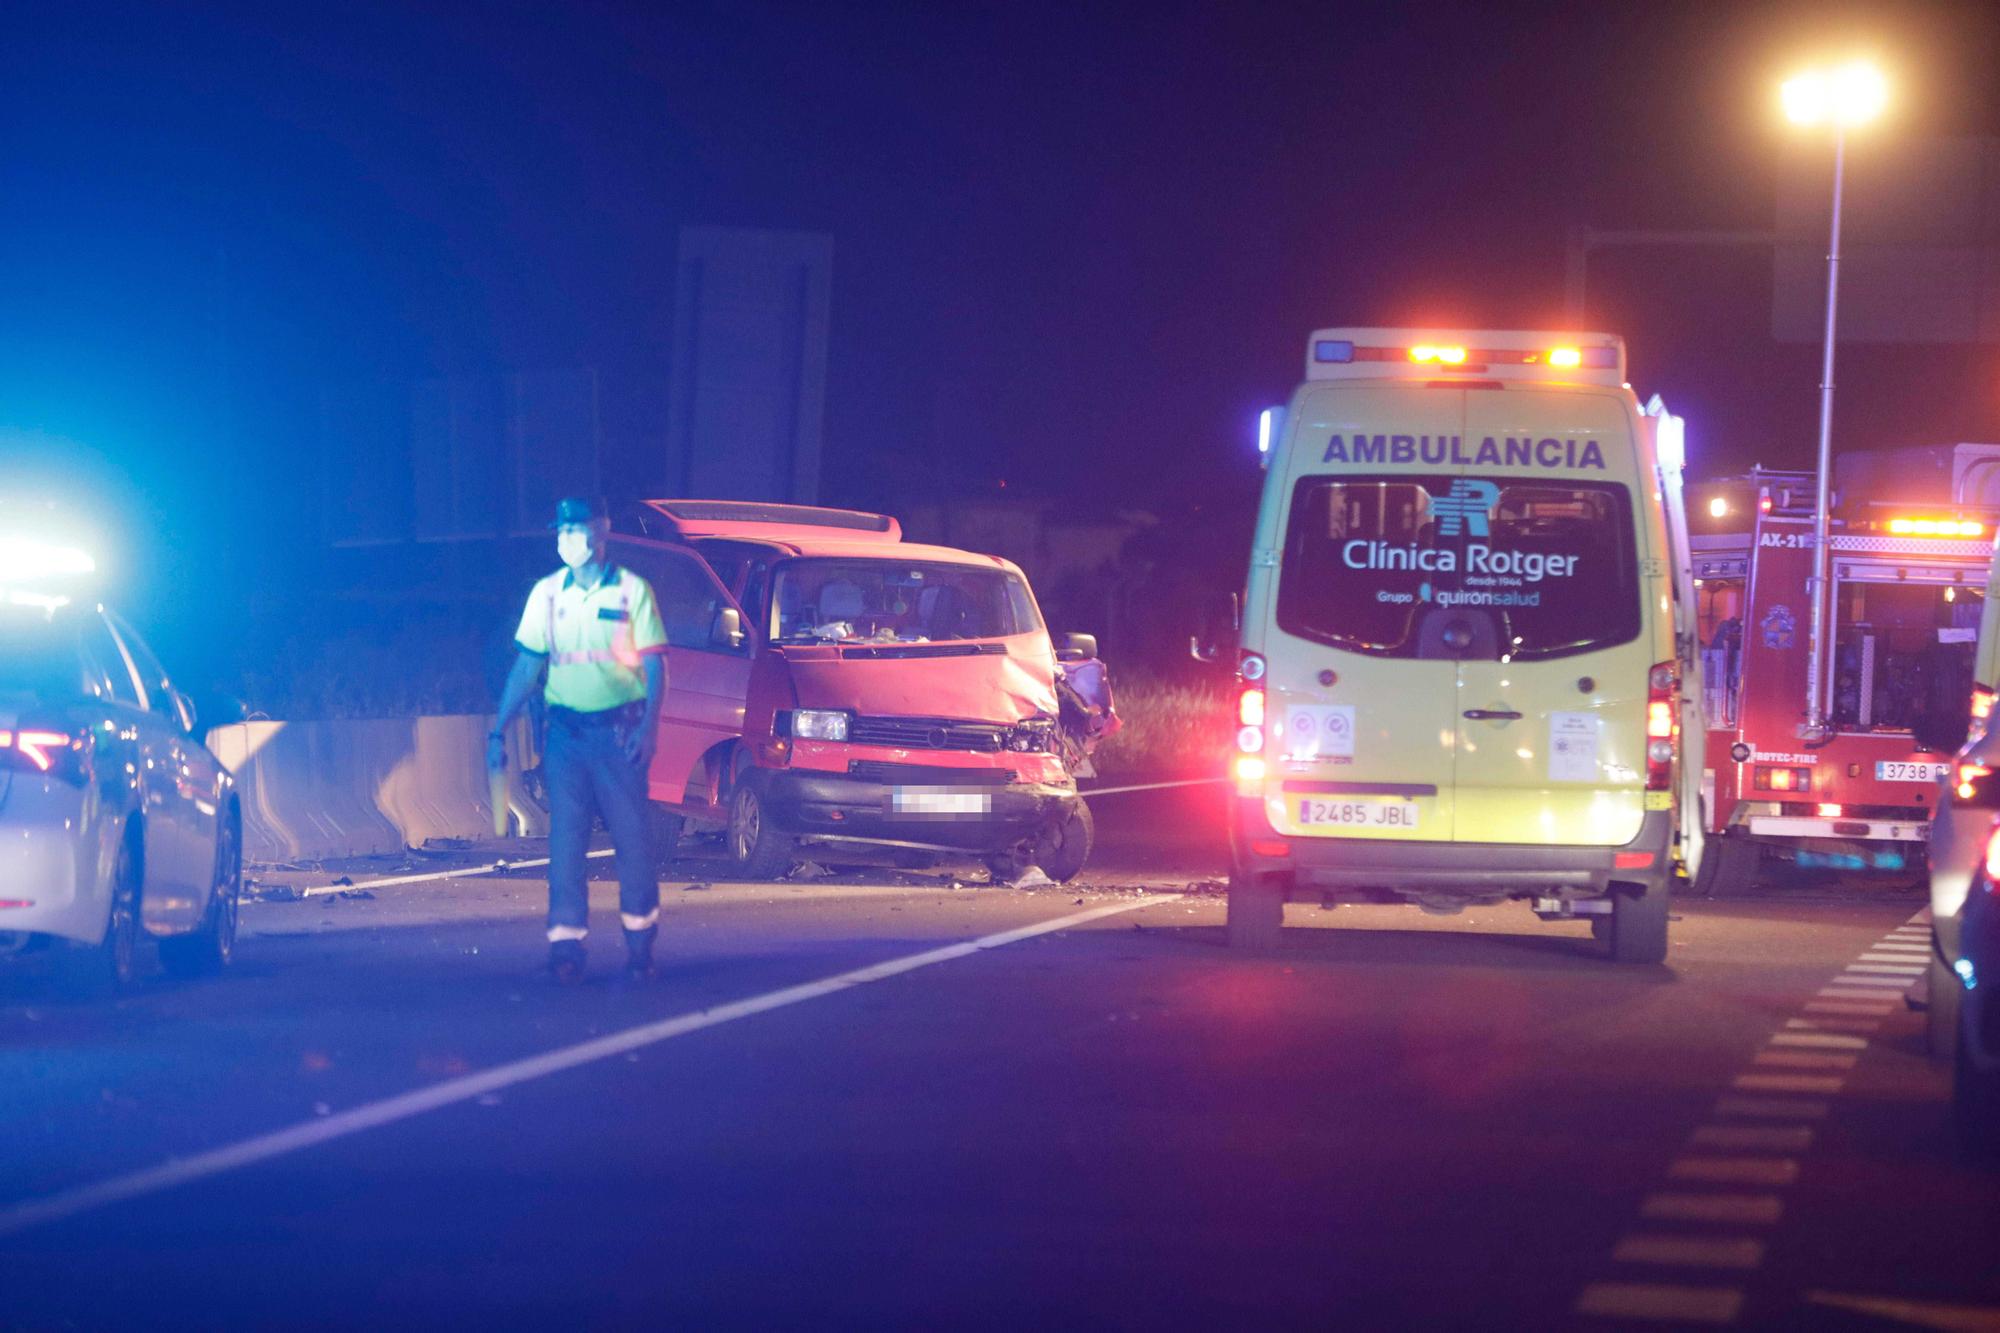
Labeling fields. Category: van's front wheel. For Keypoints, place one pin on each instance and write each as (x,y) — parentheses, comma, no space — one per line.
(1064,846)
(1256,911)
(1639,924)
(758,848)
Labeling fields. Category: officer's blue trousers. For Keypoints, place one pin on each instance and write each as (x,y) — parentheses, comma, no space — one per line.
(588,774)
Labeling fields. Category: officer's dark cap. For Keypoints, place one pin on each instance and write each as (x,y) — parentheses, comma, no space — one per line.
(580,509)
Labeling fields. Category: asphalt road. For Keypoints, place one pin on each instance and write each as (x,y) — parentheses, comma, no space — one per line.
(897,1101)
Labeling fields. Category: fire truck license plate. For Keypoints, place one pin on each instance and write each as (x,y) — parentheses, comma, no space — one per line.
(1359,814)
(1898,770)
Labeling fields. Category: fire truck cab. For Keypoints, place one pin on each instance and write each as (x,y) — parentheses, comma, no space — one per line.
(1910,533)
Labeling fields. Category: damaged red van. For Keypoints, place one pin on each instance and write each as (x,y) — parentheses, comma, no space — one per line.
(830,684)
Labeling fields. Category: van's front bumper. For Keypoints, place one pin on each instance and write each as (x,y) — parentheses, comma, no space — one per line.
(1473,871)
(973,817)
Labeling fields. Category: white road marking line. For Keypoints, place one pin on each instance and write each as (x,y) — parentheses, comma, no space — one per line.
(29,1213)
(1804,1060)
(1148,786)
(1850,1007)
(1887,1001)
(1856,979)
(1911,928)
(1743,1209)
(1736,1170)
(1773,1108)
(1902,947)
(1833,1024)
(1823,1040)
(1887,969)
(1787,1083)
(468,872)
(1768,1138)
(1690,1251)
(1636,1300)
(1918,1314)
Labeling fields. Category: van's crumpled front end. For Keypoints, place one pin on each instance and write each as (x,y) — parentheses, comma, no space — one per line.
(906,780)
(927,745)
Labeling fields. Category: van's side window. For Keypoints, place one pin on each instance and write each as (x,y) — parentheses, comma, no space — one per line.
(688,595)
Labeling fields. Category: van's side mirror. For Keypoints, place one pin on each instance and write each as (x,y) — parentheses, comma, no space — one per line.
(1217,628)
(727,632)
(1076,648)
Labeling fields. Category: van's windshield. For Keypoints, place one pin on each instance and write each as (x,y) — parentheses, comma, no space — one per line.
(1547,568)
(895,601)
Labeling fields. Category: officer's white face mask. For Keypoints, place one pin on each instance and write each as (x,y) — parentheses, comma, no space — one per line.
(573,545)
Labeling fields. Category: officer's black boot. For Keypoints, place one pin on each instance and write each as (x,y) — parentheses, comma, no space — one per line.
(639,953)
(566,961)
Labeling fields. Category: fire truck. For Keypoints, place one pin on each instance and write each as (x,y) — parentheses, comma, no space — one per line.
(1910,535)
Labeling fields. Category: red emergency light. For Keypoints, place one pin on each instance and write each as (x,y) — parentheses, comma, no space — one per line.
(1771,778)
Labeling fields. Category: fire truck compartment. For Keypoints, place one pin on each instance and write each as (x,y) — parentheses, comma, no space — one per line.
(1902,654)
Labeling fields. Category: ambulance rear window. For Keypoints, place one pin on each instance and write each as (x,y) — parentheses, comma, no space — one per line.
(1533,569)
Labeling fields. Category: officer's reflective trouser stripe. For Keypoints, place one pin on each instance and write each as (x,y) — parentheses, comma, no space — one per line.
(646,922)
(560,933)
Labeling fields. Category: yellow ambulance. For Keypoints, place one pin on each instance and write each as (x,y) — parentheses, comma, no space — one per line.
(1468,665)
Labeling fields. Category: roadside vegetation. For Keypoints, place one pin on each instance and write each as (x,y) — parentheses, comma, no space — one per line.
(1174,728)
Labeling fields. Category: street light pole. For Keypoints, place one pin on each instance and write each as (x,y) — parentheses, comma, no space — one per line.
(1822,611)
(1853,94)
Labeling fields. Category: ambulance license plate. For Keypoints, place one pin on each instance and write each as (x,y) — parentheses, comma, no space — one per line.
(1357,814)
(931,801)
(1899,770)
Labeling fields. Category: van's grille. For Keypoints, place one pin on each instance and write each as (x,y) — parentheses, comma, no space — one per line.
(927,775)
(927,733)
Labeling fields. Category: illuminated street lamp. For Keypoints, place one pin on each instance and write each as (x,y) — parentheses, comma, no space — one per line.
(1845,97)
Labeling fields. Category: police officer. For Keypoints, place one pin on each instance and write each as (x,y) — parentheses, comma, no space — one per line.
(597,630)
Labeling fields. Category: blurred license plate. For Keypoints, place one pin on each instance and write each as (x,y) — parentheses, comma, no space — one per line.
(935,801)
(1359,814)
(1897,770)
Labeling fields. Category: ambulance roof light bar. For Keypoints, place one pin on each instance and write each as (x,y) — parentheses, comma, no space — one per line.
(1435,355)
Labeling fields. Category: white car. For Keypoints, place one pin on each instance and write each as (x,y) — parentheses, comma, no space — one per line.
(116,823)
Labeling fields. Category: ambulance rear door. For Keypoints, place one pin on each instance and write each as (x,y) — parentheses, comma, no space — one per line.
(1551,591)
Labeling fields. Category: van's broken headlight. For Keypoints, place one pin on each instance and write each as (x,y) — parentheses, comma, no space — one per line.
(1031,737)
(818,724)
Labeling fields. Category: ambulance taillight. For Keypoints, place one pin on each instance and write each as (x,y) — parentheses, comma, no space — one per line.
(1661,727)
(1250,720)
(1247,766)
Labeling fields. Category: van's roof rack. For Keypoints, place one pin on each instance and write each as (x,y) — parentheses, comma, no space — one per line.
(715,518)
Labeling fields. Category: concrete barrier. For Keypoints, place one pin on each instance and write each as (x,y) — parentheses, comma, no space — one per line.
(311,790)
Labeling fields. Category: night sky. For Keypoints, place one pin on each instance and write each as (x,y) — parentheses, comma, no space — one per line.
(1076,246)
